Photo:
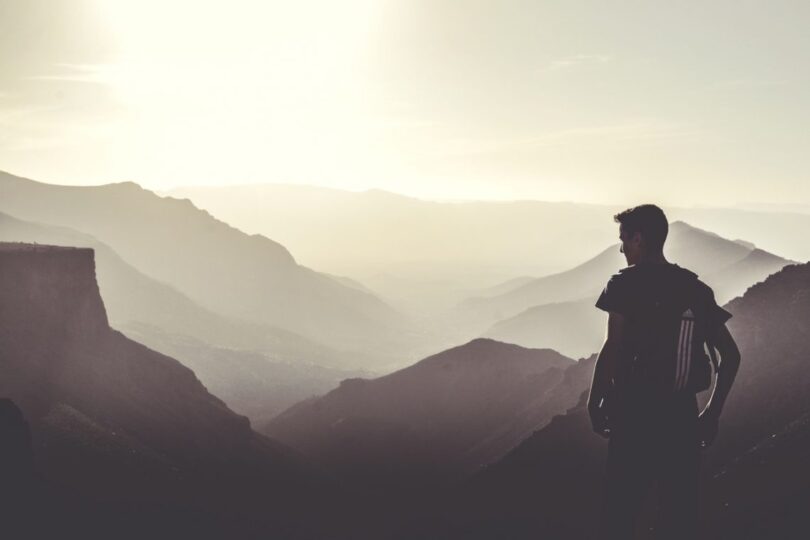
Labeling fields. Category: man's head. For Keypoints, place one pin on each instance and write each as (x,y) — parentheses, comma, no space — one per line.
(642,230)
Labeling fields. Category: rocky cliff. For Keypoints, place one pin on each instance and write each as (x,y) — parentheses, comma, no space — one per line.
(121,433)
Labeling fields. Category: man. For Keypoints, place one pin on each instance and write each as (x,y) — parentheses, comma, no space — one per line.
(642,396)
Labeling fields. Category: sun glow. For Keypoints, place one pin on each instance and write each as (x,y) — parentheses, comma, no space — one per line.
(215,90)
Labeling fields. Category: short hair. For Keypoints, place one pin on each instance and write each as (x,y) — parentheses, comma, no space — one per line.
(647,219)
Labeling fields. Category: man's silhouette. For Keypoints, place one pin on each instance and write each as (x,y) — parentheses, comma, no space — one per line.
(651,365)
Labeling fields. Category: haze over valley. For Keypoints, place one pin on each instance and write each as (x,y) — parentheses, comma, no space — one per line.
(389,398)
(328,270)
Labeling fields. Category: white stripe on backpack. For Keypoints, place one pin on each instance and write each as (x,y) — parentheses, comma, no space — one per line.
(684,358)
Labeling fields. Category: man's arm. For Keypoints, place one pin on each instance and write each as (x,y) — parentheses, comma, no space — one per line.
(603,372)
(726,372)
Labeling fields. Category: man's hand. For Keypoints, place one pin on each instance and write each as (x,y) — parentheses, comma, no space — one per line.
(599,419)
(708,425)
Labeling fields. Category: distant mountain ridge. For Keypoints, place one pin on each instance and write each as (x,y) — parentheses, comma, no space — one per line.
(701,251)
(247,277)
(570,323)
(366,234)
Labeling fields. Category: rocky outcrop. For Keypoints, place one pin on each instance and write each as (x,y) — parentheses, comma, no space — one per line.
(122,433)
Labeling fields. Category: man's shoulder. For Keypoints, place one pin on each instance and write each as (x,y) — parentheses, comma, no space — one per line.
(702,291)
(623,275)
(676,275)
(640,269)
(697,283)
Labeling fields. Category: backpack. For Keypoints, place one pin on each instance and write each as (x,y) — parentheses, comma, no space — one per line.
(669,344)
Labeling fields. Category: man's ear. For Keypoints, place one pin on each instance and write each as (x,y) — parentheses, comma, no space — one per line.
(637,238)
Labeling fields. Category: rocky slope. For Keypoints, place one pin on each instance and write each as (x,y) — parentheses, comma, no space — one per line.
(447,414)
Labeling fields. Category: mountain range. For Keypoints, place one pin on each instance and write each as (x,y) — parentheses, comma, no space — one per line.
(425,255)
(241,276)
(257,369)
(113,423)
(123,366)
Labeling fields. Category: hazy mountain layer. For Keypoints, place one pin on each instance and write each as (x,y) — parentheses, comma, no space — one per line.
(370,232)
(234,274)
(131,296)
(703,252)
(252,383)
(577,328)
(438,251)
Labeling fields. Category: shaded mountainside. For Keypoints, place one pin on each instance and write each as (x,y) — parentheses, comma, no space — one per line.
(121,432)
(577,328)
(444,415)
(247,277)
(772,327)
(765,492)
(755,473)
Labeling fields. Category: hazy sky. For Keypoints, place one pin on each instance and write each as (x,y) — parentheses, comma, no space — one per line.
(701,102)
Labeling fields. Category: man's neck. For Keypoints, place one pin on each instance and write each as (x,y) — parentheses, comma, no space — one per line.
(658,258)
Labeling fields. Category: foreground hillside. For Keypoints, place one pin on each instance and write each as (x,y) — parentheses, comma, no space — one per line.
(122,434)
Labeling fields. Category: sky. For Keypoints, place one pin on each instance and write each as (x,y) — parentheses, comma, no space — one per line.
(679,103)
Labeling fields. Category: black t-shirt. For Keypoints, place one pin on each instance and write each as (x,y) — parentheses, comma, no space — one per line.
(629,293)
(626,291)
